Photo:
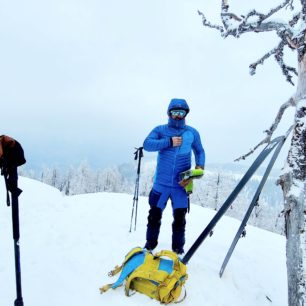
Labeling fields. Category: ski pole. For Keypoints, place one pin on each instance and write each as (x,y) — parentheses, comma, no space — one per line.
(11,181)
(138,155)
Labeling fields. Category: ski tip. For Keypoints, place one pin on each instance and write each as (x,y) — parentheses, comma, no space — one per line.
(221,272)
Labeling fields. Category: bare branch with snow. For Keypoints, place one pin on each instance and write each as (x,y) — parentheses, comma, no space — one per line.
(254,21)
(271,130)
(295,19)
(253,66)
(206,23)
(243,157)
(273,127)
(286,70)
(279,57)
(262,17)
(287,3)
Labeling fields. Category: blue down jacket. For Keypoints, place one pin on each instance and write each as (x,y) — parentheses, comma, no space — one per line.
(171,160)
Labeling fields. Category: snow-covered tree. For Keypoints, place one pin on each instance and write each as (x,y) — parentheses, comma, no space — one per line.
(291,34)
(51,176)
(146,177)
(210,191)
(217,192)
(111,180)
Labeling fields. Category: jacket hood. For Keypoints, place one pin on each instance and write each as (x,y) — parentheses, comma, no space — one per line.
(178,104)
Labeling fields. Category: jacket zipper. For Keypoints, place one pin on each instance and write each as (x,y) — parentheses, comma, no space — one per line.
(176,153)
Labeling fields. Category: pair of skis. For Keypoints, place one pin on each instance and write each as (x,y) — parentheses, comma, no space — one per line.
(276,145)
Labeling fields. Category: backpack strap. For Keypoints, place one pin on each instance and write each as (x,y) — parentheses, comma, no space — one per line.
(172,255)
(149,270)
(132,252)
(167,253)
(126,267)
(105,288)
(156,276)
(176,277)
(179,272)
(128,256)
(184,296)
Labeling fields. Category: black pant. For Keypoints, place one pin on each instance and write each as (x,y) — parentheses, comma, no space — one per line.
(178,228)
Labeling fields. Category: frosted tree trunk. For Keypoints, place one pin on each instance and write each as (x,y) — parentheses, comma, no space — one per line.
(294,187)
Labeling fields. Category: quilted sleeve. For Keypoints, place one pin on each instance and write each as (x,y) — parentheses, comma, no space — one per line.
(155,141)
(198,150)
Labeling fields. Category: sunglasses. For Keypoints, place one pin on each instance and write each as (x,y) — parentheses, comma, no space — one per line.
(178,113)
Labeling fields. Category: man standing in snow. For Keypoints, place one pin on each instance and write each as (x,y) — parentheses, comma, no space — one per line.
(174,142)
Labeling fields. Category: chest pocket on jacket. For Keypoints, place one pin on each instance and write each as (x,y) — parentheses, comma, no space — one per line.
(187,143)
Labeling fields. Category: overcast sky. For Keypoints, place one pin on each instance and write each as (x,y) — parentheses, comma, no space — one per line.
(89,79)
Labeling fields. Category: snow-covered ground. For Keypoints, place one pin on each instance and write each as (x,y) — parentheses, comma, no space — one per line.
(68,244)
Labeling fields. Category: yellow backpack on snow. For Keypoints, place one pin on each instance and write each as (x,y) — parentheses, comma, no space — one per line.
(151,274)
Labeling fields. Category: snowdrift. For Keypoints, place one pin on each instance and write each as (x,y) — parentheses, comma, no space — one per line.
(68,244)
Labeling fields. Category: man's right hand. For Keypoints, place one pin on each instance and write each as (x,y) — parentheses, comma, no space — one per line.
(176,141)
(184,183)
